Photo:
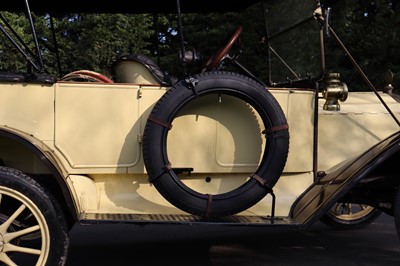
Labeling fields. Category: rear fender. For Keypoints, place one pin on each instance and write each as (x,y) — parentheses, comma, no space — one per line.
(24,152)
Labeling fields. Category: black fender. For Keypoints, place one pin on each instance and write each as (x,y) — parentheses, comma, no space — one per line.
(336,184)
(31,144)
(397,212)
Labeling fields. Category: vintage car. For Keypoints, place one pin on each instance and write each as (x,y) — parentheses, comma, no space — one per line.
(216,147)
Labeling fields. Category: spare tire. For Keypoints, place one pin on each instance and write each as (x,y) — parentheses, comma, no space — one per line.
(273,160)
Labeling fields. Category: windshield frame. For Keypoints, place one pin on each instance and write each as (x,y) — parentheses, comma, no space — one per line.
(298,81)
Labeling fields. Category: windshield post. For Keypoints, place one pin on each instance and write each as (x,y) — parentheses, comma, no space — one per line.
(319,16)
(28,10)
(180,30)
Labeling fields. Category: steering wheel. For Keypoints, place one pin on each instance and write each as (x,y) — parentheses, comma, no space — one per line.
(216,59)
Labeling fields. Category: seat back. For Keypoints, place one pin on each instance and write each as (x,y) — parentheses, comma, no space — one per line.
(138,69)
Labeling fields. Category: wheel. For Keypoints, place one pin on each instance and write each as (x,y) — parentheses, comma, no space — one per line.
(214,61)
(343,216)
(218,84)
(33,231)
(397,212)
(86,76)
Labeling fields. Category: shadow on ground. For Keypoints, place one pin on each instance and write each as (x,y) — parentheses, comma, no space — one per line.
(120,245)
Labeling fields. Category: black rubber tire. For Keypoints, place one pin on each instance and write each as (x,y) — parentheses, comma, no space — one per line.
(155,144)
(355,220)
(49,234)
(397,212)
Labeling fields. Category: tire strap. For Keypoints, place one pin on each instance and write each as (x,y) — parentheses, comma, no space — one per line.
(167,168)
(262,182)
(274,129)
(158,121)
(209,201)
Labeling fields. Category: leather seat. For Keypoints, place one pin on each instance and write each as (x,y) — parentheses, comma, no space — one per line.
(139,69)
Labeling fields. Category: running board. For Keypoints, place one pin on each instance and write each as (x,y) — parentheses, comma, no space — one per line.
(236,220)
(309,207)
(330,188)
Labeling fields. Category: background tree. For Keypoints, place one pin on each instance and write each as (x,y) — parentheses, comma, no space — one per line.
(10,58)
(371,33)
(92,41)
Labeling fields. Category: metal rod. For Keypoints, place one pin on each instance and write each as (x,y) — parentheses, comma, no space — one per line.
(29,14)
(180,29)
(29,57)
(315,141)
(284,62)
(53,32)
(273,207)
(363,75)
(270,37)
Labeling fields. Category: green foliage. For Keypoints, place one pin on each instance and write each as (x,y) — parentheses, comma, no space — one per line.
(93,41)
(10,58)
(84,41)
(372,37)
(294,41)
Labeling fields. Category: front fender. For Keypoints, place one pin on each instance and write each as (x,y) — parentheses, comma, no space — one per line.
(348,177)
